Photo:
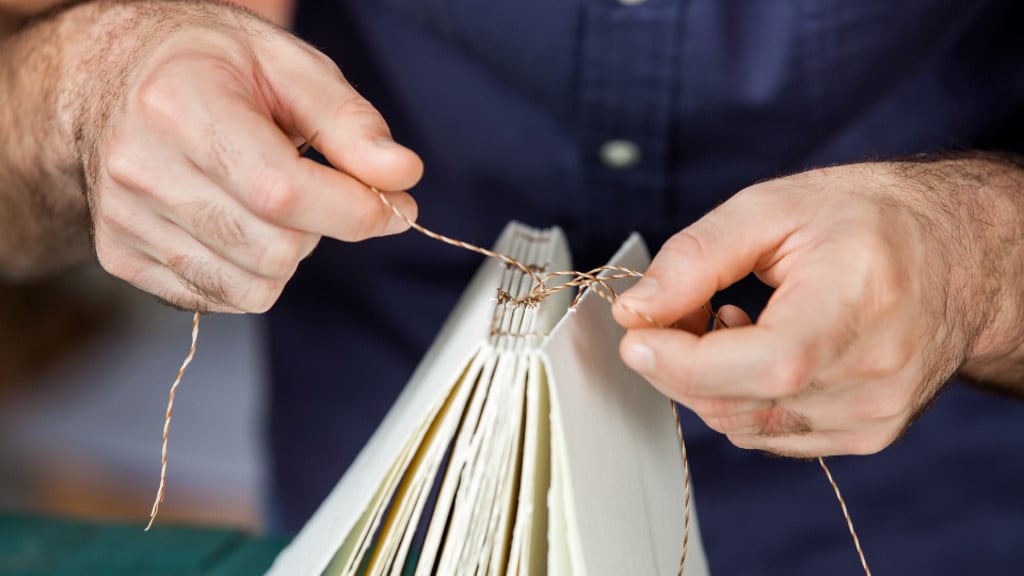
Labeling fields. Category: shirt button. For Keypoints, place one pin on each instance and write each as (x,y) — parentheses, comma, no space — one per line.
(631,2)
(619,154)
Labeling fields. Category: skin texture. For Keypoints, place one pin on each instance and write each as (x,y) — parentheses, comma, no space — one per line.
(161,136)
(179,121)
(889,278)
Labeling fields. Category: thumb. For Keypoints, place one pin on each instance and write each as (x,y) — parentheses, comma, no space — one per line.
(313,99)
(741,236)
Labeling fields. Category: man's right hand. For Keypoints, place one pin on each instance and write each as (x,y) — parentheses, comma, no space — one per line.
(187,135)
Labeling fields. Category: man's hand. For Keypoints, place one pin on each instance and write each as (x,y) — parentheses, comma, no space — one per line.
(186,118)
(889,278)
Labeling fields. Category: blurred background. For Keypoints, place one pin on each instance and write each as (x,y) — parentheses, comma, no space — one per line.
(87,363)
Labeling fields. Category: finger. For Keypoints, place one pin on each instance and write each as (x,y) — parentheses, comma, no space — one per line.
(820,443)
(764,418)
(729,316)
(201,207)
(723,411)
(738,363)
(219,284)
(244,240)
(265,173)
(162,282)
(695,322)
(312,98)
(133,262)
(232,137)
(857,404)
(806,326)
(837,407)
(740,236)
(213,283)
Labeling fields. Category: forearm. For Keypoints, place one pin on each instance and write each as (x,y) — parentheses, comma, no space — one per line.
(43,65)
(996,182)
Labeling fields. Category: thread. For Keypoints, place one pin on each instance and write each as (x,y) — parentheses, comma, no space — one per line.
(846,515)
(167,422)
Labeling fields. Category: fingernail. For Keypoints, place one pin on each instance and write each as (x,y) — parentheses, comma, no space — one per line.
(645,289)
(640,358)
(407,206)
(385,142)
(396,225)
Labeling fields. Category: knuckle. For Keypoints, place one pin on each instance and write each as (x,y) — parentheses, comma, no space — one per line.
(724,424)
(357,110)
(279,257)
(780,421)
(204,281)
(213,221)
(744,441)
(110,258)
(875,248)
(328,65)
(774,195)
(309,245)
(259,295)
(890,359)
(157,99)
(365,221)
(127,266)
(769,189)
(873,261)
(868,443)
(123,166)
(715,423)
(186,300)
(274,196)
(686,245)
(788,376)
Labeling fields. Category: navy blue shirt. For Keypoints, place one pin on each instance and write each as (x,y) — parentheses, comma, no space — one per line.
(511,102)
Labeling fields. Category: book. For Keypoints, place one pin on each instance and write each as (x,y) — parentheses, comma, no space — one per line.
(521,445)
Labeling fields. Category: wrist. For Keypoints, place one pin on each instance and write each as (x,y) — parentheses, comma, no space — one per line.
(973,206)
(58,71)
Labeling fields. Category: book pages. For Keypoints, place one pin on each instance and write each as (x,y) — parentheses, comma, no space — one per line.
(521,445)
(618,463)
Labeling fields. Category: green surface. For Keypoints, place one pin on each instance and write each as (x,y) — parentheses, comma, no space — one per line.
(30,546)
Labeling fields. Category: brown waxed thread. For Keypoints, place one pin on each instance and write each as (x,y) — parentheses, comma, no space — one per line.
(846,514)
(167,422)
(591,281)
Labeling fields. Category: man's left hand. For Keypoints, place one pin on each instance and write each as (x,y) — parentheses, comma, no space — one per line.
(888,277)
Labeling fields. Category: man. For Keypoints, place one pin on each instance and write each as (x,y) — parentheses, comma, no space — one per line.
(180,122)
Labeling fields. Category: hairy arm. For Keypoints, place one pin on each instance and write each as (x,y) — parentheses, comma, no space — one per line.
(984,218)
(168,130)
(43,213)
